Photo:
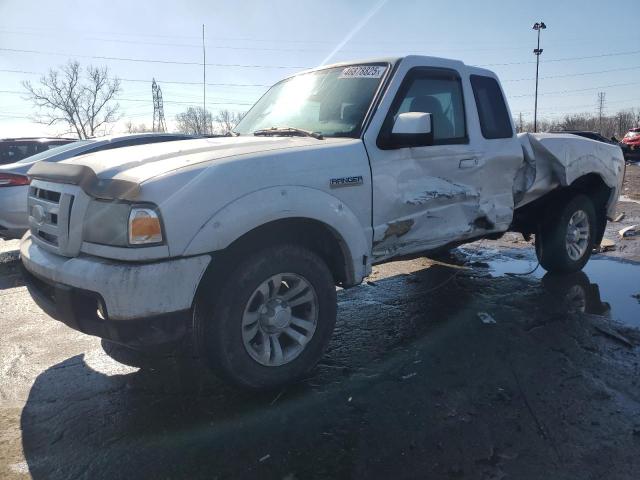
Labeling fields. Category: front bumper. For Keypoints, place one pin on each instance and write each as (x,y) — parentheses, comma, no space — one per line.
(131,303)
(79,309)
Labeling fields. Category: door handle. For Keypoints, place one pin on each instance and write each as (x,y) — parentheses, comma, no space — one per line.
(468,163)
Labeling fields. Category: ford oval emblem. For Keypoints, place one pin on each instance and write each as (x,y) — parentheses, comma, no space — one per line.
(38,214)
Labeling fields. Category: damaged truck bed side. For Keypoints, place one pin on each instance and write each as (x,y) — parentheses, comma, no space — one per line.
(240,241)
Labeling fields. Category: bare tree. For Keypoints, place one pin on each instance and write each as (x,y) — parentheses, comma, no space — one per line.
(194,121)
(227,120)
(83,102)
(140,128)
(608,125)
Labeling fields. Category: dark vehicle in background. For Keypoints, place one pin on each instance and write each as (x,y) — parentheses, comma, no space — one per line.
(626,150)
(15,149)
(632,141)
(587,134)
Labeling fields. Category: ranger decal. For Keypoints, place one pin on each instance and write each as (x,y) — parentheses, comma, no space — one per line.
(346,181)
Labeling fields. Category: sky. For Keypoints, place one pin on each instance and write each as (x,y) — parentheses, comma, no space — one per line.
(589,47)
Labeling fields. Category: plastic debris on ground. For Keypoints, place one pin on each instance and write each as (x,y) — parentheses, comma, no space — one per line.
(486,318)
(630,231)
(607,245)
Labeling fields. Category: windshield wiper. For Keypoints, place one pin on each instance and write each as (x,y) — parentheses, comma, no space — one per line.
(292,131)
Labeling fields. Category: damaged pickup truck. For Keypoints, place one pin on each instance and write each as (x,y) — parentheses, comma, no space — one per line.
(239,242)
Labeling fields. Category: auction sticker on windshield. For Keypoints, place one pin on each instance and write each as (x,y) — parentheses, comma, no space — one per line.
(363,71)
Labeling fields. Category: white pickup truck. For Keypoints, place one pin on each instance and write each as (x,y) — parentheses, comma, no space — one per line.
(240,241)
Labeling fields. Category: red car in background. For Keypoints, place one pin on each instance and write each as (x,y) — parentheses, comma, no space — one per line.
(632,140)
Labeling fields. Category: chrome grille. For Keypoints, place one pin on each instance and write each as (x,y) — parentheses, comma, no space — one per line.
(50,209)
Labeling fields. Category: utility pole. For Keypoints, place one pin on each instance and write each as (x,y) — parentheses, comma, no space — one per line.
(538,26)
(601,96)
(204,83)
(620,133)
(159,124)
(520,123)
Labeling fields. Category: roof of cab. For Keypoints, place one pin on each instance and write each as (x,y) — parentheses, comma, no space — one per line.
(458,64)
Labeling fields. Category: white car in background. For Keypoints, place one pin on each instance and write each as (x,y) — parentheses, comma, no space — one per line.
(14,183)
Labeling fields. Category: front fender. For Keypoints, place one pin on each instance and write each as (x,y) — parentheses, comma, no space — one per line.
(276,203)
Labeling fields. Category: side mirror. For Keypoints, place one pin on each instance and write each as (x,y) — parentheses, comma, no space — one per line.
(412,129)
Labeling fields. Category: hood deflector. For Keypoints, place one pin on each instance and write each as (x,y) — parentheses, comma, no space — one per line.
(85,178)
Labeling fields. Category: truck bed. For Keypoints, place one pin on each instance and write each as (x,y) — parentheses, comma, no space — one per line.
(555,160)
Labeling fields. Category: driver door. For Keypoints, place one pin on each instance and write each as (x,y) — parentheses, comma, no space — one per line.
(427,196)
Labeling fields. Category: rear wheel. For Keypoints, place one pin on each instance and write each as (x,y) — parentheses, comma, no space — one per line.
(566,237)
(272,318)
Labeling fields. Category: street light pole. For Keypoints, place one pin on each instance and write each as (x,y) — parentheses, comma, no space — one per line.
(537,26)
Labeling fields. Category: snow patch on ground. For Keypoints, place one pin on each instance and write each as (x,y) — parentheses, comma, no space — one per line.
(9,245)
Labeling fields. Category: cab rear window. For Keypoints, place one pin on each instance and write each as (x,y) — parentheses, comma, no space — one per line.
(492,109)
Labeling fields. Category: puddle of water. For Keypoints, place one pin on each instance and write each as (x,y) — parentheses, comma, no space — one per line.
(616,280)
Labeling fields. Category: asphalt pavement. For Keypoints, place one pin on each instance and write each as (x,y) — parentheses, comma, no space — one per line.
(464,367)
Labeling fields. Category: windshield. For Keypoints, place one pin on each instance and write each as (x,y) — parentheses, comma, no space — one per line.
(55,151)
(331,102)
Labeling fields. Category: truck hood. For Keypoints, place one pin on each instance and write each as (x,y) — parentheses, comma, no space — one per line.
(141,163)
(118,173)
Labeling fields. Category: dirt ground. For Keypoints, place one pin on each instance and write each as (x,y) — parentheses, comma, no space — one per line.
(475,365)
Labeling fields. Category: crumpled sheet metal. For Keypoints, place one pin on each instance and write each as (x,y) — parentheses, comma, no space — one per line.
(560,159)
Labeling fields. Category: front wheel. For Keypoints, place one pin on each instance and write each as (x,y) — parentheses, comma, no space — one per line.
(566,237)
(271,318)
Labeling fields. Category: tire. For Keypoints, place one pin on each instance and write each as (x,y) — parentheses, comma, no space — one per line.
(257,304)
(566,237)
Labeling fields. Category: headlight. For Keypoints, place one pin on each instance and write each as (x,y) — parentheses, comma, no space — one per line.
(144,226)
(121,224)
(106,223)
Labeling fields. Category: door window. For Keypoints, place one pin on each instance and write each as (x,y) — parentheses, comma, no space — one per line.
(440,94)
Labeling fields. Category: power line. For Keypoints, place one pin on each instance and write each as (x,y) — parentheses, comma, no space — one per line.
(185,103)
(572,74)
(142,80)
(562,92)
(232,101)
(565,109)
(251,48)
(566,59)
(95,33)
(251,85)
(38,32)
(142,60)
(222,101)
(238,65)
